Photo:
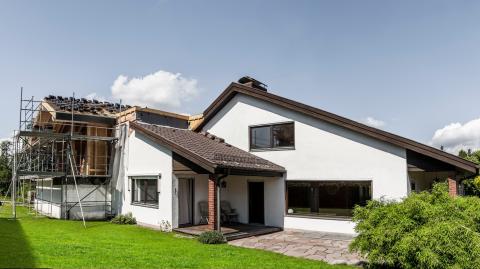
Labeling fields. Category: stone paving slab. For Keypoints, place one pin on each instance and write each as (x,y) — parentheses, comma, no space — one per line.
(328,247)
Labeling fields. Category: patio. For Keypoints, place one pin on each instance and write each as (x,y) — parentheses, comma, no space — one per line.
(231,232)
(328,247)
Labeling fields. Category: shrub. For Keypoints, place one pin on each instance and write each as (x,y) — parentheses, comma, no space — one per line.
(212,237)
(472,186)
(425,230)
(124,219)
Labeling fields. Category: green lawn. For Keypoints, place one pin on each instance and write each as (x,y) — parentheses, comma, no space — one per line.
(41,242)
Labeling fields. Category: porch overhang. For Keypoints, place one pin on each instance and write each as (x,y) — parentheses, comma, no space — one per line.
(215,169)
(418,162)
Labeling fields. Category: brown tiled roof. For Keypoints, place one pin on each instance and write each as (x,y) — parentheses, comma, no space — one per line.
(206,150)
(84,106)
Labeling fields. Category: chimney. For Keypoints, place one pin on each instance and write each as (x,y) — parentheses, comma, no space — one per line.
(253,83)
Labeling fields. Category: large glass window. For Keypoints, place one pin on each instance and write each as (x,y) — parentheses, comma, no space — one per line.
(145,190)
(272,136)
(326,198)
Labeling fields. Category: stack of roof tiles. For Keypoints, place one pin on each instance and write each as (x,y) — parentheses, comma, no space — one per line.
(85,106)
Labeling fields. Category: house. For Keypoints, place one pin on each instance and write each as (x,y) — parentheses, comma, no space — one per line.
(66,152)
(252,162)
(276,162)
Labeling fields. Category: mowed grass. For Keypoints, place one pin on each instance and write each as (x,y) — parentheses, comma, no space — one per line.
(42,242)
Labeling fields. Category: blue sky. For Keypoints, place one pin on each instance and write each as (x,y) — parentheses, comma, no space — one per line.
(412,67)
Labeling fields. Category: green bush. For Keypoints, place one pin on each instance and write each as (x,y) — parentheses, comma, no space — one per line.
(212,237)
(425,230)
(472,186)
(124,219)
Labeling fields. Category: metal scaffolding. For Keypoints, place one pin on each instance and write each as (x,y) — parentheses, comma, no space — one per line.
(59,151)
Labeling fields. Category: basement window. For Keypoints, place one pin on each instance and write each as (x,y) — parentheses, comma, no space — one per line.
(145,191)
(335,199)
(272,136)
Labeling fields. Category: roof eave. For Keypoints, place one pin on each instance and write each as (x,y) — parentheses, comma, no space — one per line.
(249,172)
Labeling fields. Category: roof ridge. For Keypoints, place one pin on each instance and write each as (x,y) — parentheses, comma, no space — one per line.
(158,125)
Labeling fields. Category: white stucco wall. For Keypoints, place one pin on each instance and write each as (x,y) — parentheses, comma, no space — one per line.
(51,201)
(321,225)
(147,158)
(95,205)
(323,151)
(47,208)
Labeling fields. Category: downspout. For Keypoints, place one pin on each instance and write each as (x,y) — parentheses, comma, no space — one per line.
(218,189)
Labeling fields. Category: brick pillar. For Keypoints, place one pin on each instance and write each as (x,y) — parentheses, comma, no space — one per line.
(452,187)
(212,203)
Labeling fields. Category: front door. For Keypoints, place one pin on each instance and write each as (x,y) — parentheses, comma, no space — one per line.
(185,201)
(256,210)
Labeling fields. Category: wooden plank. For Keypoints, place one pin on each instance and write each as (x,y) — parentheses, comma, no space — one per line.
(63,135)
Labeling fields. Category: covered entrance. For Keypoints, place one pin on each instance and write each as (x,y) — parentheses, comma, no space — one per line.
(217,186)
(424,171)
(237,205)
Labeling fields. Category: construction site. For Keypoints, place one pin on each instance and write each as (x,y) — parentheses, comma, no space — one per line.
(64,150)
(62,157)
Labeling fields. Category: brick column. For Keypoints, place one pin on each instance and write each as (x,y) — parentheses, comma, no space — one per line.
(452,187)
(212,203)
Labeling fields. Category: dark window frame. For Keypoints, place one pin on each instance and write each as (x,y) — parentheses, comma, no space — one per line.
(272,147)
(133,179)
(321,215)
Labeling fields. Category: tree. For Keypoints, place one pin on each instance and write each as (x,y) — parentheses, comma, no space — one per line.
(470,156)
(5,148)
(5,164)
(471,185)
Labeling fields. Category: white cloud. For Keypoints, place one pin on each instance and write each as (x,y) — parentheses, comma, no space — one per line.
(457,136)
(372,122)
(95,96)
(161,89)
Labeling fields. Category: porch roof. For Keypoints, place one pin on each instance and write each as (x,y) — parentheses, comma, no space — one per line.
(208,151)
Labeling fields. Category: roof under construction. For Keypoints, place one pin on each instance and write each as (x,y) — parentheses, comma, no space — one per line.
(85,106)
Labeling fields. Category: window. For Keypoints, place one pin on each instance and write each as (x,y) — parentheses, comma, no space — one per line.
(272,136)
(145,191)
(326,198)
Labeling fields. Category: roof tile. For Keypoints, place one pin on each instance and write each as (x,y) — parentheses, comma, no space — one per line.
(211,148)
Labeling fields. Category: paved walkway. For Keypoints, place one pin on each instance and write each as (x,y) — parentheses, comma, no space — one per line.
(329,247)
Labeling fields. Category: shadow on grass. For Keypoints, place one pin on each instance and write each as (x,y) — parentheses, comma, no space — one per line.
(15,251)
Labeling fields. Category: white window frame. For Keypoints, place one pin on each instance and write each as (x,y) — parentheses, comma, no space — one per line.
(132,177)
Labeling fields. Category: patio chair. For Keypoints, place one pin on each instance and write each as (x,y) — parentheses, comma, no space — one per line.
(203,206)
(228,213)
